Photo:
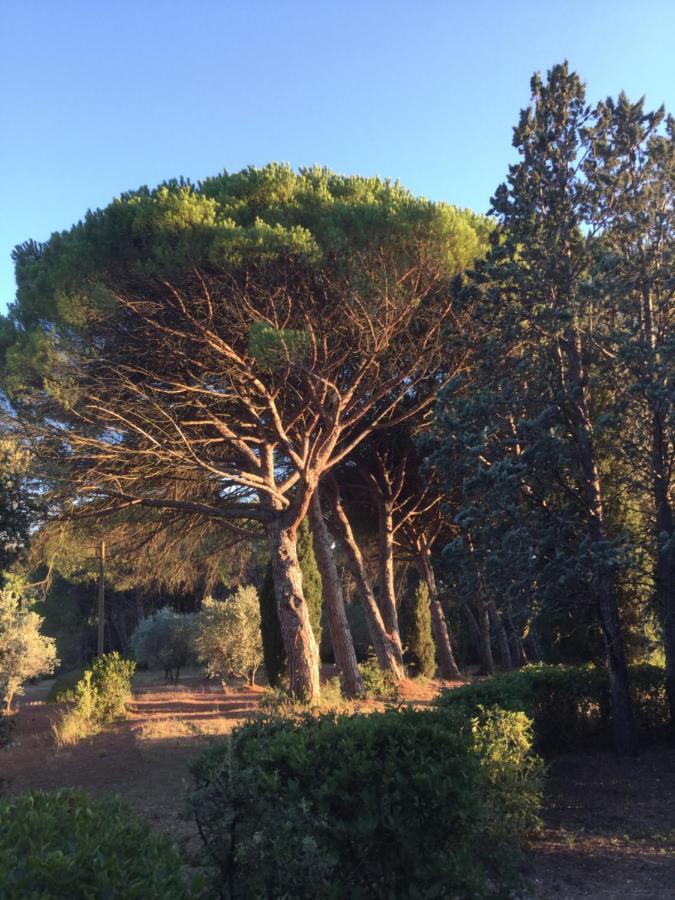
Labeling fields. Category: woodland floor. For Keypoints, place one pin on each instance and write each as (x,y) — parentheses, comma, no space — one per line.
(609,823)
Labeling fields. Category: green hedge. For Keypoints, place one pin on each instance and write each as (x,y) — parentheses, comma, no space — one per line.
(568,705)
(403,803)
(64,845)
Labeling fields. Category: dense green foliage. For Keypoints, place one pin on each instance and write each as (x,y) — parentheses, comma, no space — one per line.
(396,804)
(415,622)
(559,438)
(16,510)
(99,697)
(274,653)
(165,640)
(225,222)
(377,683)
(568,705)
(311,578)
(66,846)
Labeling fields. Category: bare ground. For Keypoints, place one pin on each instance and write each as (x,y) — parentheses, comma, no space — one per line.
(609,823)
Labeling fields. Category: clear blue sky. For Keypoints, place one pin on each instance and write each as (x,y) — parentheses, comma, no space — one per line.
(101,96)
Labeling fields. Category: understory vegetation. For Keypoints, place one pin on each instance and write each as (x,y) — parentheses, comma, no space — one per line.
(568,705)
(98,698)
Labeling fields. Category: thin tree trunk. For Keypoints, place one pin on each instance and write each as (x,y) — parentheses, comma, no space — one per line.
(518,657)
(499,631)
(387,596)
(447,664)
(301,648)
(387,648)
(532,646)
(485,645)
(340,635)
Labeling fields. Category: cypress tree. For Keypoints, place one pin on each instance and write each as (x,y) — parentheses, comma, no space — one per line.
(274,653)
(312,587)
(415,624)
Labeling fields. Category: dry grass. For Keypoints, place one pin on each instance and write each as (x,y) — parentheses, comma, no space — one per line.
(72,727)
(179,728)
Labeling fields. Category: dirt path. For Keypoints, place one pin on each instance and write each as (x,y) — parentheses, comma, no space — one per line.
(144,758)
(610,823)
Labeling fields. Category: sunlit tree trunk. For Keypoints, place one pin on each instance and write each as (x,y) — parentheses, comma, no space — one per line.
(340,634)
(387,648)
(301,647)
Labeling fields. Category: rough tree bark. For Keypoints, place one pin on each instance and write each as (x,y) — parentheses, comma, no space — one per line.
(301,647)
(387,595)
(340,634)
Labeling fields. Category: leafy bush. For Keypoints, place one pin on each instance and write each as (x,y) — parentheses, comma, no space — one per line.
(63,689)
(404,803)
(377,683)
(101,696)
(63,845)
(24,652)
(228,639)
(165,640)
(569,705)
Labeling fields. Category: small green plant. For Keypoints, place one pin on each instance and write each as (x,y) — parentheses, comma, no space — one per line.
(100,697)
(63,689)
(377,683)
(64,845)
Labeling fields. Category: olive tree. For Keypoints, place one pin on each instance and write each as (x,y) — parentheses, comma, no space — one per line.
(228,638)
(24,652)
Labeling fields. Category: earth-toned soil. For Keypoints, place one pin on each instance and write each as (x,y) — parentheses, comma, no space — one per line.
(609,823)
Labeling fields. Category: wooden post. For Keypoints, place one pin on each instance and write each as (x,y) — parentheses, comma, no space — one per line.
(101,598)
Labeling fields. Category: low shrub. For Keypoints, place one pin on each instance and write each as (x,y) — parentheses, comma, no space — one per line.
(404,803)
(63,845)
(568,705)
(377,683)
(63,689)
(100,697)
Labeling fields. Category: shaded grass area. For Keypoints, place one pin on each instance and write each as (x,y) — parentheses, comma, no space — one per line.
(609,828)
